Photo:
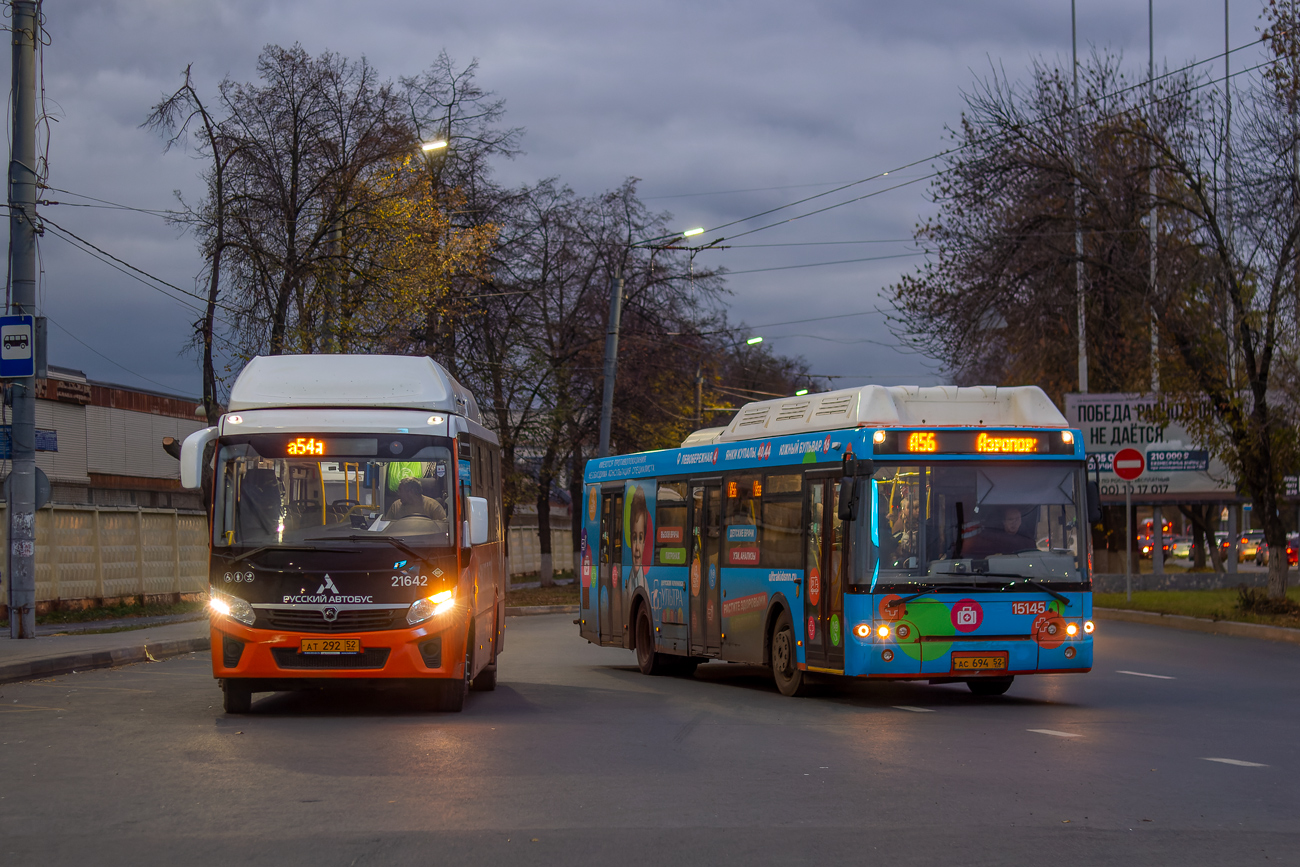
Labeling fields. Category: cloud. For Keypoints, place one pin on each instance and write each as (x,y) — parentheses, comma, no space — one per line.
(689,97)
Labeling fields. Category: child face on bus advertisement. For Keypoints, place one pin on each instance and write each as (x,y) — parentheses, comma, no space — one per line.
(638,539)
(638,529)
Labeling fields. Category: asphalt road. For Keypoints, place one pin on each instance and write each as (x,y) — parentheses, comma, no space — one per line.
(579,759)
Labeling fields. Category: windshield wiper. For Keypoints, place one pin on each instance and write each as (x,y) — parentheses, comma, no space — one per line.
(962,587)
(260,548)
(392,540)
(1031,582)
(937,588)
(1058,596)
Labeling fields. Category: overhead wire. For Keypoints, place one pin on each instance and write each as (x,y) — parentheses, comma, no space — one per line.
(115,363)
(958,148)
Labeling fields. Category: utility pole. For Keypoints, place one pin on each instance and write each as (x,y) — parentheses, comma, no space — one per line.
(22,267)
(1078,227)
(1151,181)
(611,358)
(1227,194)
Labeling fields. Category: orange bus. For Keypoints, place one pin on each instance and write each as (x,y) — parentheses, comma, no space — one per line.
(356,529)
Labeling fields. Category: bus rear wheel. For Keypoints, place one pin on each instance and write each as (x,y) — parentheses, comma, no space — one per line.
(236,697)
(990,685)
(486,681)
(785,668)
(647,659)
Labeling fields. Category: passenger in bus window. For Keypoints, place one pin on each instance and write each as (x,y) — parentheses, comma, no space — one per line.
(411,501)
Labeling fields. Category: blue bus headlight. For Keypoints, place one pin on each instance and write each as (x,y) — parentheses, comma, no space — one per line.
(232,607)
(431,606)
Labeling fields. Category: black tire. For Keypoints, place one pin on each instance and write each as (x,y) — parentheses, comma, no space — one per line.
(990,685)
(451,693)
(647,659)
(236,697)
(785,671)
(486,681)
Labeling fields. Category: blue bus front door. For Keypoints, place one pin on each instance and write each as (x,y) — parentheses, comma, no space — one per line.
(705,574)
(611,566)
(823,591)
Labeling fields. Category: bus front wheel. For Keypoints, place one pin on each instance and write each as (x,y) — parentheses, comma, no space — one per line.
(236,697)
(990,685)
(785,669)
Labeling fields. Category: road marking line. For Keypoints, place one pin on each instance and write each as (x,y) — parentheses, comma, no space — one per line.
(1144,674)
(1054,733)
(1238,762)
(913,709)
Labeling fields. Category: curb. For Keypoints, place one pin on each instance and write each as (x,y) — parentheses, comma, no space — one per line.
(72,662)
(1201,624)
(530,610)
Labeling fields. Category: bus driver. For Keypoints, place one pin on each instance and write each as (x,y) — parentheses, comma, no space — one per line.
(1007,539)
(412,501)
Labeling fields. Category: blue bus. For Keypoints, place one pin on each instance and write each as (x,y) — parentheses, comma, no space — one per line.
(908,533)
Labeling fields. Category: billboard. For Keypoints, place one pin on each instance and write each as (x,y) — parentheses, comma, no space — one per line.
(1178,469)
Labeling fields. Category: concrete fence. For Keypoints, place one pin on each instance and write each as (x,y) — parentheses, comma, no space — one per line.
(96,553)
(526,549)
(86,555)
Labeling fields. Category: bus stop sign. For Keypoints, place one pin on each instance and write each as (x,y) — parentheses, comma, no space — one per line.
(17,347)
(1128,464)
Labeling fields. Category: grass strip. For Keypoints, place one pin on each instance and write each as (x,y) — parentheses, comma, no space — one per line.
(566,595)
(1220,604)
(113,612)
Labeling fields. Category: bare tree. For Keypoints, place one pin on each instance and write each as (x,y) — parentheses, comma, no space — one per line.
(1226,298)
(172,117)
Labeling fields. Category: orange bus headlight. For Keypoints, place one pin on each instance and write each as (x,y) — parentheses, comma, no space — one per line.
(232,607)
(862,630)
(883,631)
(1072,629)
(1088,627)
(431,606)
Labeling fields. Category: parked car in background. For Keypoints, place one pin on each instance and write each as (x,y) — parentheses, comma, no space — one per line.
(1249,546)
(1182,548)
(1292,551)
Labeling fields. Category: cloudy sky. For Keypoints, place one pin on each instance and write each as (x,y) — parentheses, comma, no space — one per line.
(723,109)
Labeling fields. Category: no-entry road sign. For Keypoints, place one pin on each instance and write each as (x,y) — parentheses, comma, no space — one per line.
(1128,464)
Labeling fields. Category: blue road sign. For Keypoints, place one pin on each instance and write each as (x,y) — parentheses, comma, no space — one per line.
(17,347)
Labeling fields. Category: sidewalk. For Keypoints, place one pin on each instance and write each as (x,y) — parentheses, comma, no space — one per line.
(49,655)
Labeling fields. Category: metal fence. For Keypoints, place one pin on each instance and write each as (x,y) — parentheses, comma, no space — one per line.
(104,552)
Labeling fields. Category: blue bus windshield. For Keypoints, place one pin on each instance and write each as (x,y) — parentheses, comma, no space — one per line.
(974,522)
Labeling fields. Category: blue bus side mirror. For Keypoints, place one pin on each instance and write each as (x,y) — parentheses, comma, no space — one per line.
(1094,503)
(848,508)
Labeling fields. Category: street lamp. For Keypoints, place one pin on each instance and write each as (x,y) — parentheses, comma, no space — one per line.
(754,341)
(691,233)
(433,145)
(801,392)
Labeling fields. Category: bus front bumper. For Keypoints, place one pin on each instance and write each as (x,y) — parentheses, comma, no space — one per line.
(426,651)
